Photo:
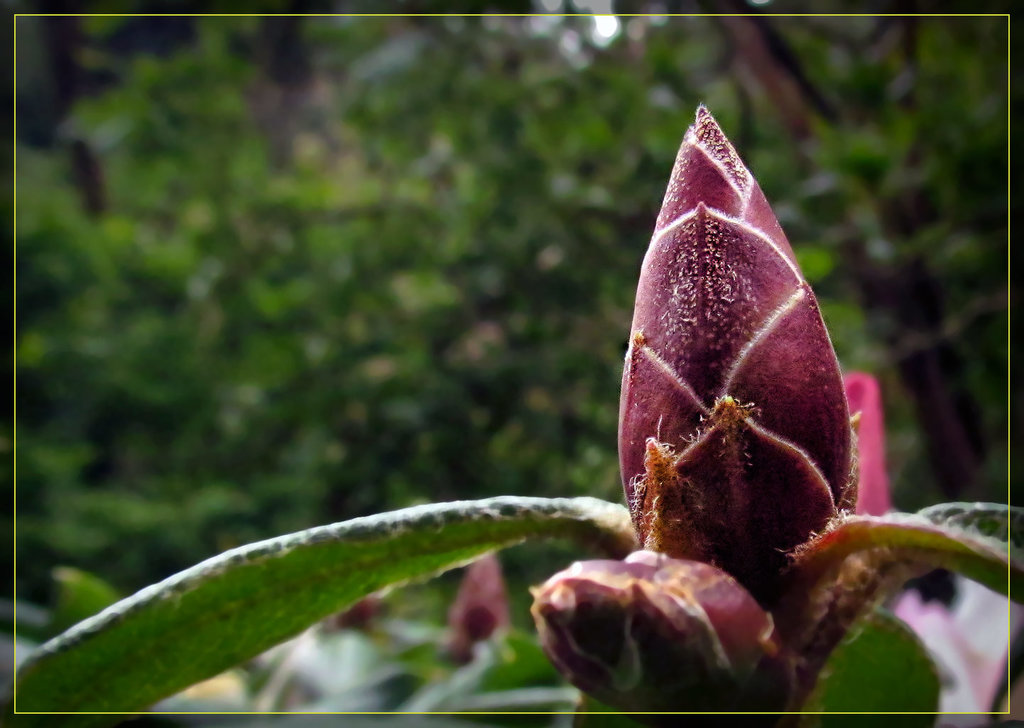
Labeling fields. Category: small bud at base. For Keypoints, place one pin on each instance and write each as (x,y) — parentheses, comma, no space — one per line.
(656,633)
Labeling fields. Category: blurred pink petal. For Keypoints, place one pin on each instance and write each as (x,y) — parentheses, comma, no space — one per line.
(863,395)
(968,642)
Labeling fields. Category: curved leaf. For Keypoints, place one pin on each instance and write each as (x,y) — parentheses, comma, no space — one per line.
(880,667)
(982,541)
(227,609)
(993,521)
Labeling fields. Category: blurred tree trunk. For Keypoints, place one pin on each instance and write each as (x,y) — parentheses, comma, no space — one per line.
(63,42)
(904,291)
(280,97)
(911,295)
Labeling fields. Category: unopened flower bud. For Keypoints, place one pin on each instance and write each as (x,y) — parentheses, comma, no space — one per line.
(734,434)
(653,633)
(480,608)
(358,616)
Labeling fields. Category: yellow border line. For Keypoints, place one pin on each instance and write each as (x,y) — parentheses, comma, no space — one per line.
(1009,350)
(144,713)
(511,15)
(14,365)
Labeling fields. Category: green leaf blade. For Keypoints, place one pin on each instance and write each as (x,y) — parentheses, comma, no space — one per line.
(881,667)
(231,607)
(992,522)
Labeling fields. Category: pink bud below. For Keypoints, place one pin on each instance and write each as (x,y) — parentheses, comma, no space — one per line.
(655,633)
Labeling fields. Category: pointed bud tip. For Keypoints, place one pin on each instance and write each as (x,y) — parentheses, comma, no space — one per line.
(712,139)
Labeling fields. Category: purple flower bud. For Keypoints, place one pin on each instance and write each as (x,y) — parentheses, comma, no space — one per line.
(653,633)
(480,608)
(358,616)
(734,433)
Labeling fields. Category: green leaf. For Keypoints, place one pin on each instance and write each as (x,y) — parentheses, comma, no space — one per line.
(79,595)
(530,699)
(230,608)
(506,674)
(991,521)
(880,667)
(592,713)
(982,541)
(392,720)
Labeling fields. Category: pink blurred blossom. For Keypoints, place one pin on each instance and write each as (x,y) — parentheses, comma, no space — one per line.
(969,639)
(863,394)
(968,642)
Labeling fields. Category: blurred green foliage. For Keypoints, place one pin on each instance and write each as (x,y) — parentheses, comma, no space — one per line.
(273,273)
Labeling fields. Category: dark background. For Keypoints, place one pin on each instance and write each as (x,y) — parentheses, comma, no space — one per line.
(278,272)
